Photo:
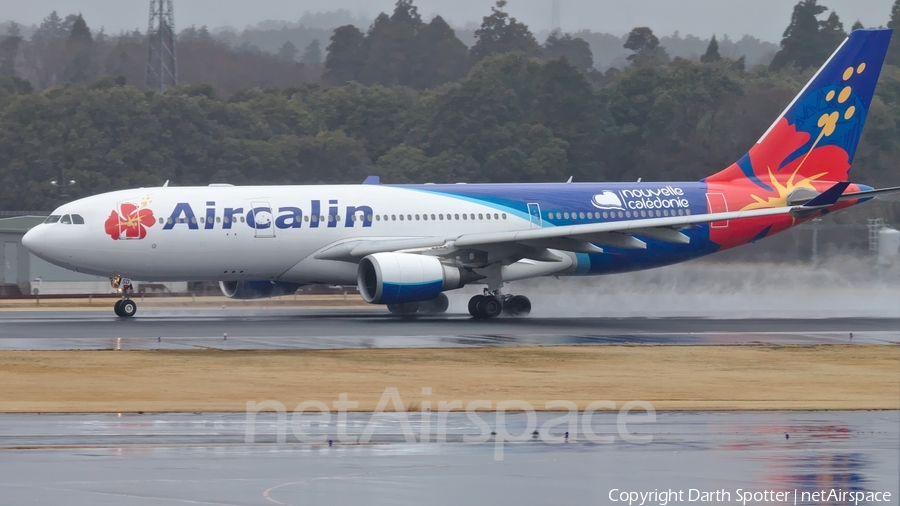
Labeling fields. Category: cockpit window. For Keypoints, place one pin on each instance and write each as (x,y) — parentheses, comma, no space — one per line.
(52,219)
(67,220)
(77,219)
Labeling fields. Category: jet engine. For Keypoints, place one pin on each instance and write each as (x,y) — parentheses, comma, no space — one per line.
(397,278)
(256,289)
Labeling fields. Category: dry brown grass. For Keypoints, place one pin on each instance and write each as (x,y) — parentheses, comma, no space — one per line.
(670,377)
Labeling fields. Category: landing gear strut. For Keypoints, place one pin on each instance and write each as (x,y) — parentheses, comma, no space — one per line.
(493,304)
(124,307)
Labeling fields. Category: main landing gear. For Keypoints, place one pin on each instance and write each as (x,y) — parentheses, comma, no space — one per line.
(493,304)
(124,307)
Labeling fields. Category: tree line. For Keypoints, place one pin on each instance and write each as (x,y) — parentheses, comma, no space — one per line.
(520,111)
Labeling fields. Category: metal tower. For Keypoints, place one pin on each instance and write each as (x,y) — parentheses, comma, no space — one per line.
(554,16)
(162,67)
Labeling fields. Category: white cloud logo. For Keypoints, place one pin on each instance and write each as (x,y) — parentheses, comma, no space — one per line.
(607,200)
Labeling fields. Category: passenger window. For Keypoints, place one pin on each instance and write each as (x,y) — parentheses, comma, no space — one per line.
(417,217)
(394,217)
(472,216)
(66,220)
(169,221)
(401,217)
(503,216)
(194,220)
(496,217)
(465,217)
(409,217)
(52,218)
(605,214)
(456,216)
(161,221)
(441,217)
(77,219)
(480,216)
(432,217)
(566,215)
(581,215)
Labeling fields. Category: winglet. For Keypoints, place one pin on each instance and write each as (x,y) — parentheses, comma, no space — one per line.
(372,180)
(828,197)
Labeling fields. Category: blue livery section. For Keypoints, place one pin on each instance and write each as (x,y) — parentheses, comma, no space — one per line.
(577,203)
(399,293)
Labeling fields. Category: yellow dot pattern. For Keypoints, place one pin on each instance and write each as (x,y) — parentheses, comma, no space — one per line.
(845,94)
(828,121)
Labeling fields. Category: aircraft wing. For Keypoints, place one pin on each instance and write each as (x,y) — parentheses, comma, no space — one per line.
(577,238)
(538,243)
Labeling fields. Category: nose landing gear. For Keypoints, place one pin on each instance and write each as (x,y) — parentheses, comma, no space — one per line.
(124,307)
(493,304)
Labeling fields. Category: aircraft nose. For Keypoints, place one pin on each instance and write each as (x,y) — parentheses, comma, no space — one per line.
(33,240)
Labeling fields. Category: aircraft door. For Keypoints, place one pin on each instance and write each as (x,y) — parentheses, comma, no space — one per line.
(534,212)
(262,218)
(717,204)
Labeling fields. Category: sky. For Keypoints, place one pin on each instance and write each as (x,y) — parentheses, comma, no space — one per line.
(764,19)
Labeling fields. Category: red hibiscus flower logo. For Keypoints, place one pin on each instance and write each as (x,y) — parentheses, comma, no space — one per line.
(131,222)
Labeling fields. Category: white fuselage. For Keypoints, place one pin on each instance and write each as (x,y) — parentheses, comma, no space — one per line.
(251,233)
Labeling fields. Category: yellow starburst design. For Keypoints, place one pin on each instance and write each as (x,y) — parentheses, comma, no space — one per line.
(784,190)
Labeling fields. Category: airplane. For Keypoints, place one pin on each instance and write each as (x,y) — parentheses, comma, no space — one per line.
(405,245)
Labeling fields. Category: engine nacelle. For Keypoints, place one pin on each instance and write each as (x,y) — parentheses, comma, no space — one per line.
(396,278)
(256,289)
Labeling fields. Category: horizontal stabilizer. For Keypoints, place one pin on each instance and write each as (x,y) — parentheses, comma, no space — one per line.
(870,193)
(828,197)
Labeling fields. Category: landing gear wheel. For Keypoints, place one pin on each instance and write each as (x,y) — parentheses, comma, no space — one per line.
(407,308)
(436,305)
(126,308)
(473,305)
(485,306)
(517,305)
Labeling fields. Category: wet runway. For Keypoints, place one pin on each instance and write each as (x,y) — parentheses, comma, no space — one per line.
(204,459)
(366,328)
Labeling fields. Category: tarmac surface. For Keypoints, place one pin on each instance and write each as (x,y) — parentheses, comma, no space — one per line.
(203,458)
(301,328)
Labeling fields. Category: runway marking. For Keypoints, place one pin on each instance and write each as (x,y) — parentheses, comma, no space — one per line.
(130,496)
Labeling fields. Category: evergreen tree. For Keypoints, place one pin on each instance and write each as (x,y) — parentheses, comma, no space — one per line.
(857,26)
(9,49)
(312,55)
(893,56)
(79,49)
(807,41)
(13,29)
(346,55)
(288,51)
(439,56)
(645,45)
(391,44)
(831,34)
(500,33)
(712,51)
(576,50)
(51,28)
